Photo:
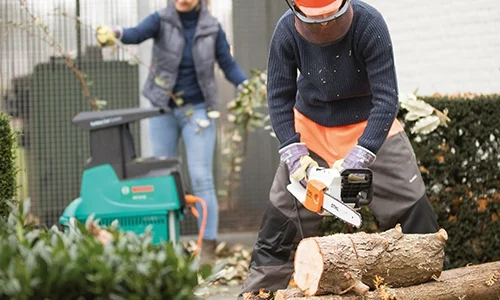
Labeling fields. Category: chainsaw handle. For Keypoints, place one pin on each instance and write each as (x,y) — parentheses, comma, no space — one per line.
(311,169)
(365,185)
(369,197)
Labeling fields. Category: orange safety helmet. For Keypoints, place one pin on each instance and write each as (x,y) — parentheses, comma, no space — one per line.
(322,22)
(318,7)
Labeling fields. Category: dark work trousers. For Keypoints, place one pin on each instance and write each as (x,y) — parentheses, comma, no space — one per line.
(398,197)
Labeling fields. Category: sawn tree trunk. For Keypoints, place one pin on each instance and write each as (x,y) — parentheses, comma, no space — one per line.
(338,263)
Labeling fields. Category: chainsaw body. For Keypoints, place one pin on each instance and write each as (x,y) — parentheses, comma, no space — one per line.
(333,193)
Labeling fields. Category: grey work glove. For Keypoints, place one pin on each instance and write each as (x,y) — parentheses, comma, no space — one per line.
(358,158)
(296,156)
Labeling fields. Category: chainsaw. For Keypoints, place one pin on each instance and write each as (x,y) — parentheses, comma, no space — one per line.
(332,193)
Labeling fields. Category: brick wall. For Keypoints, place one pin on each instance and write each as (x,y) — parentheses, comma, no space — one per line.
(445,46)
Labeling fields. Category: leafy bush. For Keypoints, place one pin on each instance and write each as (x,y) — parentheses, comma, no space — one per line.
(51,264)
(245,114)
(8,168)
(460,165)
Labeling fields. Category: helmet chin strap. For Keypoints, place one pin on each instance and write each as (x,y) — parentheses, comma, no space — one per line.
(323,35)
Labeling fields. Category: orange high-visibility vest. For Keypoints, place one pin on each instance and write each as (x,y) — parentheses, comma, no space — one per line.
(333,143)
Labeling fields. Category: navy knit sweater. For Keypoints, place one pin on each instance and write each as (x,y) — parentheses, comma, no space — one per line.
(186,79)
(344,83)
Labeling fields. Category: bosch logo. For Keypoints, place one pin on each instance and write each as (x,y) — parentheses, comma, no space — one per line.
(125,190)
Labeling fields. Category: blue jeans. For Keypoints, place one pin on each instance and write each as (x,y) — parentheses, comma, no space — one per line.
(164,133)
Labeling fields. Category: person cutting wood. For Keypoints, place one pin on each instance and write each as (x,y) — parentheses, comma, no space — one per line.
(333,100)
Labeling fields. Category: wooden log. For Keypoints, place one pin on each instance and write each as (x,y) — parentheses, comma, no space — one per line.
(338,263)
(472,282)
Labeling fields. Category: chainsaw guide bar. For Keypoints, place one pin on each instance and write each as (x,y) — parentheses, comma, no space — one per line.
(330,193)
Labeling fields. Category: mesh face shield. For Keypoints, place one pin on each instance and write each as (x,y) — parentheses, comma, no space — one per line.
(323,31)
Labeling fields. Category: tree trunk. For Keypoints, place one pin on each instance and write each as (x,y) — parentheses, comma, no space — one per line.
(341,262)
(472,282)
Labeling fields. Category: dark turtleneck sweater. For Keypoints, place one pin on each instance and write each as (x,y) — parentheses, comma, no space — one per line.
(186,80)
(350,81)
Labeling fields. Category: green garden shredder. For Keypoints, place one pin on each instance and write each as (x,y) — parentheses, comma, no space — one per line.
(118,185)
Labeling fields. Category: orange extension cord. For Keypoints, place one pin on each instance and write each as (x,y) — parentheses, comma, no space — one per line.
(191,200)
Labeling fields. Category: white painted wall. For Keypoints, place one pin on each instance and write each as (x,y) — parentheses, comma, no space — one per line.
(445,46)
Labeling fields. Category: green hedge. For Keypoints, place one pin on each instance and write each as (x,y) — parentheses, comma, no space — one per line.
(50,264)
(460,165)
(8,168)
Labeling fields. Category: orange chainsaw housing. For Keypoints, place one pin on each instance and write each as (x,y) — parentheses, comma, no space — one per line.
(315,196)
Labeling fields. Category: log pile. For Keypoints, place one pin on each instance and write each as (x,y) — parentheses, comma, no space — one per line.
(338,263)
(471,282)
(385,266)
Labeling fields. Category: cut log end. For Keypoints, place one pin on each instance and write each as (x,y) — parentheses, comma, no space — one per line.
(442,235)
(308,257)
